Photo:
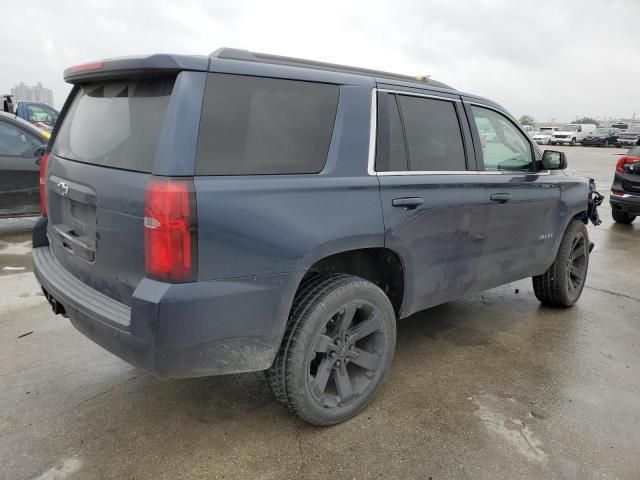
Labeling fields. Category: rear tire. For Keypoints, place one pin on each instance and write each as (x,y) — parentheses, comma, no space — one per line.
(562,284)
(620,216)
(337,349)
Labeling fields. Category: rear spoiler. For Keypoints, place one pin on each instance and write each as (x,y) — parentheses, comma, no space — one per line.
(139,66)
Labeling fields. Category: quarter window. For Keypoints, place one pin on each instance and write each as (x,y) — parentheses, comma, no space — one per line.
(256,125)
(391,153)
(504,147)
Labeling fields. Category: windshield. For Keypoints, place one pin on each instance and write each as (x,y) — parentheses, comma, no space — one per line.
(546,130)
(601,131)
(42,113)
(634,129)
(569,128)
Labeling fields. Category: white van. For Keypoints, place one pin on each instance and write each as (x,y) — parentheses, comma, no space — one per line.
(571,133)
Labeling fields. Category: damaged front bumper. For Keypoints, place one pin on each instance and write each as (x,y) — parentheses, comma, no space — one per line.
(595,200)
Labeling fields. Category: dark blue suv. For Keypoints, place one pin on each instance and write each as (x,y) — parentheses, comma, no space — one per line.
(243,211)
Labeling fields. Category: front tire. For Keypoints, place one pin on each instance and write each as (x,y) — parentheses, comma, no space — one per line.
(620,216)
(337,349)
(562,284)
(572,143)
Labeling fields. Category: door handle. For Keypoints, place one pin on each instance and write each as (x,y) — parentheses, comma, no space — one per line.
(408,203)
(500,197)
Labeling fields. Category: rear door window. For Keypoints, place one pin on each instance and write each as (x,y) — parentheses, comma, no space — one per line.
(254,125)
(115,124)
(433,135)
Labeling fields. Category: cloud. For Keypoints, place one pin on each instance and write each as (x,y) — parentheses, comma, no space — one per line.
(547,58)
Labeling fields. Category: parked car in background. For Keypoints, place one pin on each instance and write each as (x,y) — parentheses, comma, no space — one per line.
(529,129)
(625,191)
(620,126)
(244,212)
(41,115)
(542,137)
(571,133)
(602,137)
(21,146)
(630,137)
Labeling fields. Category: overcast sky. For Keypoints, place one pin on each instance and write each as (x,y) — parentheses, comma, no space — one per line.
(551,59)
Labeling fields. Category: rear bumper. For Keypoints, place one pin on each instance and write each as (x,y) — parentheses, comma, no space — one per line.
(179,330)
(594,141)
(627,203)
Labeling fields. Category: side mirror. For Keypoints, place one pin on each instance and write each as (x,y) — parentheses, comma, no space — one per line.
(552,160)
(40,151)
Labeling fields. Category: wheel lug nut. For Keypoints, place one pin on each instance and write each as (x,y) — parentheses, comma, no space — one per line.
(333,355)
(338,341)
(338,363)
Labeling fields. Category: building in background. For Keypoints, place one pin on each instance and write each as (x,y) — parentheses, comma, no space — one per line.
(29,93)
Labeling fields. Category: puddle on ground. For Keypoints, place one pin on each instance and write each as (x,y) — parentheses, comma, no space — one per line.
(500,418)
(15,255)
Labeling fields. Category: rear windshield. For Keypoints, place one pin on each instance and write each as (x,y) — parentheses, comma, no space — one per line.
(115,124)
(255,125)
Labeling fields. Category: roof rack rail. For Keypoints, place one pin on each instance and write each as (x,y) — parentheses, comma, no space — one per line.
(247,56)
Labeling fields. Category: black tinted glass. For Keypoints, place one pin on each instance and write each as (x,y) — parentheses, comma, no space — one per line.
(433,134)
(391,154)
(115,124)
(254,125)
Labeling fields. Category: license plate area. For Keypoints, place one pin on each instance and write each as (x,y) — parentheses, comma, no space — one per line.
(72,216)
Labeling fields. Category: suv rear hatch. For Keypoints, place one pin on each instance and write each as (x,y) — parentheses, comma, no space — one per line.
(101,160)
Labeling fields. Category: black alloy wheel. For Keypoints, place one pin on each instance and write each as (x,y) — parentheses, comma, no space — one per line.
(347,355)
(577,263)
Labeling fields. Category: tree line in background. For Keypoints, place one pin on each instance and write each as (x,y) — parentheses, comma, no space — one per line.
(529,120)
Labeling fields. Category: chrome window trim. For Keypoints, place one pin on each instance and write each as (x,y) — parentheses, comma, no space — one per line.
(373,138)
(373,134)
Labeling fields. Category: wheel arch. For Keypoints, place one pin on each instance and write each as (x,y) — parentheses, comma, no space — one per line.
(379,265)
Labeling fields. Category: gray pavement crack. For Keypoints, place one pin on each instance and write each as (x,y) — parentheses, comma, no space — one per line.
(99,394)
(300,448)
(616,294)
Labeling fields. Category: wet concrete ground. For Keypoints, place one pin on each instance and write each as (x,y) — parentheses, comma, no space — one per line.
(492,386)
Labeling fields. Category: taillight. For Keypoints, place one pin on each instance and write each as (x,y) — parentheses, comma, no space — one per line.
(85,67)
(170,247)
(622,161)
(43,183)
